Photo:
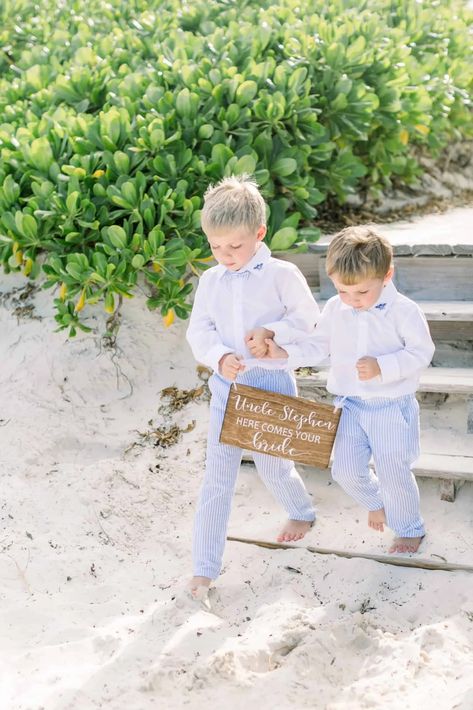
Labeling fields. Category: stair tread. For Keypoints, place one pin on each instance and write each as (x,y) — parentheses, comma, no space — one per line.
(433,379)
(444,466)
(434,310)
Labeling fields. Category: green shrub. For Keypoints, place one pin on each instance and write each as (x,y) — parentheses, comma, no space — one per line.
(115,117)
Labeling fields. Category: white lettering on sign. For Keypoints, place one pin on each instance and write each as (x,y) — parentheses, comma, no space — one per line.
(308,436)
(275,429)
(242,404)
(290,414)
(261,444)
(248,423)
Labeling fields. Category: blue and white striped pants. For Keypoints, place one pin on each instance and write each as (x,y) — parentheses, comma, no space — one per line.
(222,466)
(388,430)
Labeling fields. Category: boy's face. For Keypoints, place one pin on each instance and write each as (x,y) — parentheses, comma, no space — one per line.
(363,294)
(234,247)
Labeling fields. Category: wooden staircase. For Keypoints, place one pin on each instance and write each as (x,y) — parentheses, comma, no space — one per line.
(439,277)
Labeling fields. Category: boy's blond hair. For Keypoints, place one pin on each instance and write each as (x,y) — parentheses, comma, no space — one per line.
(233,202)
(358,253)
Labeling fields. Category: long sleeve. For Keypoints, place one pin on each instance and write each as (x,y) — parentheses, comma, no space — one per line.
(206,344)
(414,356)
(313,349)
(302,312)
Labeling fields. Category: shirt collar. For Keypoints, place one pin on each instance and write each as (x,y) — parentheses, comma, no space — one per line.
(255,265)
(386,298)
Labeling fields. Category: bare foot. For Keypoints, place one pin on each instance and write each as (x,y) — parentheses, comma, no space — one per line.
(377,519)
(294,530)
(199,587)
(406,544)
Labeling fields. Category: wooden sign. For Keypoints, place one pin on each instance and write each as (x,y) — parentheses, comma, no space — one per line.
(288,427)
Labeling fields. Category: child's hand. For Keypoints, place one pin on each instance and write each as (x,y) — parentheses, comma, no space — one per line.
(255,341)
(367,368)
(229,366)
(274,351)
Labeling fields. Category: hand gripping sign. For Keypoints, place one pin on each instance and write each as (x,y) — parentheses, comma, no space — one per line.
(288,427)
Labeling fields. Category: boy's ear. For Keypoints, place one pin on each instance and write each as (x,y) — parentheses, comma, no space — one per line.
(389,275)
(261,233)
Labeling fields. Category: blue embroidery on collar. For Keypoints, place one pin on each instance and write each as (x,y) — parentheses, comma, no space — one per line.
(381,306)
(258,266)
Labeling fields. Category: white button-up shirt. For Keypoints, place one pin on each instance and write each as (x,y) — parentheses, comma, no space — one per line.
(266,292)
(394,331)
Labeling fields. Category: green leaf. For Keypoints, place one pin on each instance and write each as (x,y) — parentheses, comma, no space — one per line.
(221,154)
(187,103)
(155,239)
(41,154)
(129,193)
(30,228)
(71,202)
(138,261)
(284,167)
(245,92)
(11,190)
(74,271)
(297,78)
(245,164)
(122,162)
(283,239)
(117,236)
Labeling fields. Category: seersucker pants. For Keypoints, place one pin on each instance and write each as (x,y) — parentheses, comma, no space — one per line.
(222,466)
(387,430)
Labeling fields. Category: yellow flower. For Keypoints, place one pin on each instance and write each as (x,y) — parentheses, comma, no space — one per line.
(63,291)
(157,266)
(28,266)
(81,302)
(19,256)
(109,303)
(169,318)
(404,136)
(98,173)
(422,129)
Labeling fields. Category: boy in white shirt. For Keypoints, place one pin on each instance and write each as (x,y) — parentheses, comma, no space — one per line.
(247,290)
(378,342)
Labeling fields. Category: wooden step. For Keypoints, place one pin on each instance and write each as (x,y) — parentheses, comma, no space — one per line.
(450,321)
(435,310)
(446,466)
(451,380)
(449,466)
(422,278)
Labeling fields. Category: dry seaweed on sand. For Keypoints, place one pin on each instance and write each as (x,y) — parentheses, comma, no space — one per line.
(179,398)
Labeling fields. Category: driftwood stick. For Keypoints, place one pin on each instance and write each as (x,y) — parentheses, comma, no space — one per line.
(386,559)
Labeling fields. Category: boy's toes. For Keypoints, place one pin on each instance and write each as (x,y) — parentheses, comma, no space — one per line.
(406,544)
(294,530)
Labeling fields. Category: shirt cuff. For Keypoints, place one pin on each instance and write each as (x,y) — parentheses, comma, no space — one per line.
(215,354)
(294,357)
(389,366)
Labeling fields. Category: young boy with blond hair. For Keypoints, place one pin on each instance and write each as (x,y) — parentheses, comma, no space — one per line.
(247,293)
(378,342)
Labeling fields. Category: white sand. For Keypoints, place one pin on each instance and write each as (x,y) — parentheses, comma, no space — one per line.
(95,552)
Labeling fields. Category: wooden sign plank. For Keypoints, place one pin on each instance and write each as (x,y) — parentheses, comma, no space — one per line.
(279,425)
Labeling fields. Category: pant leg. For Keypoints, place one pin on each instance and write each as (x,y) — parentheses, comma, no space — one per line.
(282,479)
(351,456)
(280,475)
(394,437)
(214,504)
